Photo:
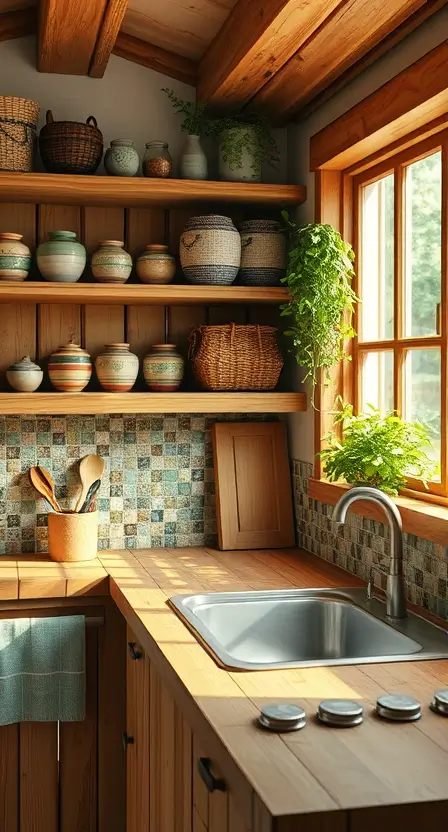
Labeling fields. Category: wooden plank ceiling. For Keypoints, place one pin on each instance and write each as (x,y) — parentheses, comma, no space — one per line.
(280,57)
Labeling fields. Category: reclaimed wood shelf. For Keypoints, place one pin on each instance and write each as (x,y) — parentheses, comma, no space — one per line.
(93,403)
(140,192)
(137,294)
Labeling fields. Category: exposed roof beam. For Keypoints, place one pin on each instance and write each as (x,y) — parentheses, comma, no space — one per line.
(255,41)
(353,30)
(18,24)
(153,57)
(67,34)
(107,37)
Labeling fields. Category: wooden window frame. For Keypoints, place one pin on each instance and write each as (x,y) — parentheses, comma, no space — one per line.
(408,111)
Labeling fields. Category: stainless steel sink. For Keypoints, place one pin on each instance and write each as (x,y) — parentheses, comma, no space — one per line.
(305,627)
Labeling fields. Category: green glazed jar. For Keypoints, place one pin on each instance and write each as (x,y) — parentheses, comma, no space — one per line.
(61,258)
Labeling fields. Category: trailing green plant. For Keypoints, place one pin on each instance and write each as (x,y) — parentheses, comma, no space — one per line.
(376,450)
(242,133)
(194,121)
(319,278)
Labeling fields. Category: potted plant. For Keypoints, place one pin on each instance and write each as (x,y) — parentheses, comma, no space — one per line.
(245,143)
(378,451)
(193,162)
(319,278)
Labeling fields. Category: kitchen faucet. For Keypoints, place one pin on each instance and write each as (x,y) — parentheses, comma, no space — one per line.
(396,587)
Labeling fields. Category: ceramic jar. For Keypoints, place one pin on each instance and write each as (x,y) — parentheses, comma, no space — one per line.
(248,170)
(117,368)
(193,162)
(24,376)
(111,263)
(155,264)
(121,158)
(263,253)
(157,161)
(70,368)
(61,258)
(210,250)
(15,257)
(163,368)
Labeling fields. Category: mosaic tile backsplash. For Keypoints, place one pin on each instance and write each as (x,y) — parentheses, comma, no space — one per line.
(157,489)
(362,543)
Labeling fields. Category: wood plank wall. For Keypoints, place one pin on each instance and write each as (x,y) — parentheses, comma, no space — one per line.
(37,330)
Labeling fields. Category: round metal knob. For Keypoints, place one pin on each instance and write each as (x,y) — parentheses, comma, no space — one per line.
(340,713)
(398,708)
(282,717)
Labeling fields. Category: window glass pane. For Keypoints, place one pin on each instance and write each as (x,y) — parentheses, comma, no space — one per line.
(422,392)
(423,245)
(377,260)
(377,381)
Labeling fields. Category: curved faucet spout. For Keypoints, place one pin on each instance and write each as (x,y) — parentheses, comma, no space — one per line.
(396,586)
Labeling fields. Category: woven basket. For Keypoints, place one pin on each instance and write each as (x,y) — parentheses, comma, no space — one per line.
(18,122)
(263,253)
(210,250)
(234,357)
(70,147)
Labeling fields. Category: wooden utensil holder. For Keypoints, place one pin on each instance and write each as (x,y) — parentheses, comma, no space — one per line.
(73,537)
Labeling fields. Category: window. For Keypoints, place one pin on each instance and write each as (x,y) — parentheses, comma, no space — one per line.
(401,349)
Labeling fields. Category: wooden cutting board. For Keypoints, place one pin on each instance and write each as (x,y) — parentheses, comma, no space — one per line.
(253,485)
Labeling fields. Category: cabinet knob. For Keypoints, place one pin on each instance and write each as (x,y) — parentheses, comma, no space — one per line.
(212,783)
(134,651)
(126,740)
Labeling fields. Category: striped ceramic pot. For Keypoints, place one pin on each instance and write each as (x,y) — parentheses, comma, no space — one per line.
(15,257)
(263,253)
(156,265)
(210,250)
(117,368)
(61,258)
(111,263)
(163,368)
(70,368)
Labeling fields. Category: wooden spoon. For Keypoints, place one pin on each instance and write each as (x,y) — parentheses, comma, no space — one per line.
(46,477)
(39,482)
(91,468)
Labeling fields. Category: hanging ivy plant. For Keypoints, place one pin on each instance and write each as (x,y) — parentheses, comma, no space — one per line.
(319,278)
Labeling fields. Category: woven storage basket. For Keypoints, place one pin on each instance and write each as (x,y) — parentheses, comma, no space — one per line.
(18,122)
(70,147)
(210,250)
(263,253)
(235,357)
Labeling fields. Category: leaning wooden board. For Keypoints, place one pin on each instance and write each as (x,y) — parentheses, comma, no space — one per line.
(253,485)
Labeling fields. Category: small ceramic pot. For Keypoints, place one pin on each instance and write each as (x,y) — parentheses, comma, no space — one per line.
(163,368)
(70,368)
(111,263)
(61,258)
(24,376)
(155,264)
(15,257)
(73,537)
(193,162)
(117,368)
(121,158)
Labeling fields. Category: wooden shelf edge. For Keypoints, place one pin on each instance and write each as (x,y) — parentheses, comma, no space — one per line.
(137,293)
(99,403)
(64,189)
(423,519)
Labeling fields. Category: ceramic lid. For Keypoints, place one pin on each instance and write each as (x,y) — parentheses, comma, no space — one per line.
(118,243)
(68,235)
(127,142)
(24,365)
(9,235)
(72,347)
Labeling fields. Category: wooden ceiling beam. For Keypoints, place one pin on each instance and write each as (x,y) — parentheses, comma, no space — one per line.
(107,37)
(18,24)
(355,28)
(154,57)
(68,32)
(253,44)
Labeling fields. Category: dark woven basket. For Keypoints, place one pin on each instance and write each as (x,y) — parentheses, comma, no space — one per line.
(70,147)
(235,357)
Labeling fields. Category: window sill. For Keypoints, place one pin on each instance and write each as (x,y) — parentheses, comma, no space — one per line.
(422,519)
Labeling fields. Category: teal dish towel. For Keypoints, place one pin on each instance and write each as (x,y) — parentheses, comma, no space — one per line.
(42,669)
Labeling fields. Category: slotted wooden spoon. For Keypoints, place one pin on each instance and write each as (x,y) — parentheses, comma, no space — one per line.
(91,468)
(43,482)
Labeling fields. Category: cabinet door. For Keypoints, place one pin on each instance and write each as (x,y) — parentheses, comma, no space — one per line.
(137,737)
(214,808)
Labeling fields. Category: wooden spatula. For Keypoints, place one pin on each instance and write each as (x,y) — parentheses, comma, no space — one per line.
(91,468)
(38,478)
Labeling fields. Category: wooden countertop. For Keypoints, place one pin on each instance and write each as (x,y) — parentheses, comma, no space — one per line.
(317,770)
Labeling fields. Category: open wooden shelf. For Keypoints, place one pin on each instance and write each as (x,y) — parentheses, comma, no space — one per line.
(137,293)
(62,189)
(93,403)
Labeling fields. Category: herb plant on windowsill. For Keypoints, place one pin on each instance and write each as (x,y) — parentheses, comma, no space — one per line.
(378,451)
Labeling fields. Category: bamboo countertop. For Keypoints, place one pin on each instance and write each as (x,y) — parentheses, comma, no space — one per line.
(317,770)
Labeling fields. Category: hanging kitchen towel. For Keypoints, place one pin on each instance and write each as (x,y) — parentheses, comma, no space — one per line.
(42,669)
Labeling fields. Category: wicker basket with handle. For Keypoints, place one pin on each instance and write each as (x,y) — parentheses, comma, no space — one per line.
(70,146)
(18,123)
(235,357)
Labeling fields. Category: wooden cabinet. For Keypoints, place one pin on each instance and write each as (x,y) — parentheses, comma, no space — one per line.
(173,783)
